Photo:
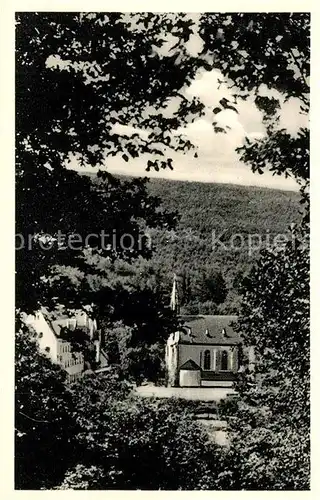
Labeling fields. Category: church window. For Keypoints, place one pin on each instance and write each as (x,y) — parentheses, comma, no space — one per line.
(224,360)
(207,360)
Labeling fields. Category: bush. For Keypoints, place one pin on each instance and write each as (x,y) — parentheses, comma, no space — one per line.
(146,444)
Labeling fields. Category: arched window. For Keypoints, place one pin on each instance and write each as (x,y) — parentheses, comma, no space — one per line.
(224,360)
(206,360)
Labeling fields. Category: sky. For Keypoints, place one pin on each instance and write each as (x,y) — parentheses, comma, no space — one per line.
(217,159)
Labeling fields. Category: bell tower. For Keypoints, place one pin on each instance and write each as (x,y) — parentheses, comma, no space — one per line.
(174,300)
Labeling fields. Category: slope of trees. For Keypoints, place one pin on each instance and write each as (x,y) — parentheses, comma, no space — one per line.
(209,277)
(209,210)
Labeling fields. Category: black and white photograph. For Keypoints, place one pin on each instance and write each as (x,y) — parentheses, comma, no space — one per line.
(162,250)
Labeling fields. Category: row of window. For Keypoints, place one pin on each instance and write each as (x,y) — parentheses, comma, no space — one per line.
(64,347)
(75,359)
(72,361)
(74,377)
(210,362)
(216,359)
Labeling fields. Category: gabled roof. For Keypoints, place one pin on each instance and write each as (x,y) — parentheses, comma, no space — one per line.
(58,320)
(190,365)
(205,329)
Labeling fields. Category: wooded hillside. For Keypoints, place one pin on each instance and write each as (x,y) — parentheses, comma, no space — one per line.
(210,213)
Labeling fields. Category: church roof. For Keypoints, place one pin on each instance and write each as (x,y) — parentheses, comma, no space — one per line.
(190,365)
(207,329)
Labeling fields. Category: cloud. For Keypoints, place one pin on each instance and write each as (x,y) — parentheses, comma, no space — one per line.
(270,92)
(194,45)
(202,134)
(128,130)
(217,159)
(204,169)
(207,87)
(256,135)
(291,118)
(229,118)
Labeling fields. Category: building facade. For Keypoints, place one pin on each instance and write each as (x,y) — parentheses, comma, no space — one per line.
(205,351)
(51,343)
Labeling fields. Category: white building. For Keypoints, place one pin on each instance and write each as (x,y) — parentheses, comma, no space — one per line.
(51,343)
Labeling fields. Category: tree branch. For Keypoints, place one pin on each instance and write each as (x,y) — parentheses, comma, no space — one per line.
(296,62)
(34,419)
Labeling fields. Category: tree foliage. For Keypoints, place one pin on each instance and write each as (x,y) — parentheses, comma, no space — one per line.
(68,96)
(124,76)
(141,444)
(43,424)
(95,434)
(270,427)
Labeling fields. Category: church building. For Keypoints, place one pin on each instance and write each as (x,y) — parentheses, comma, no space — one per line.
(204,352)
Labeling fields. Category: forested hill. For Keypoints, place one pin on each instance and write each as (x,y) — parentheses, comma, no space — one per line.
(224,210)
(246,209)
(209,272)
